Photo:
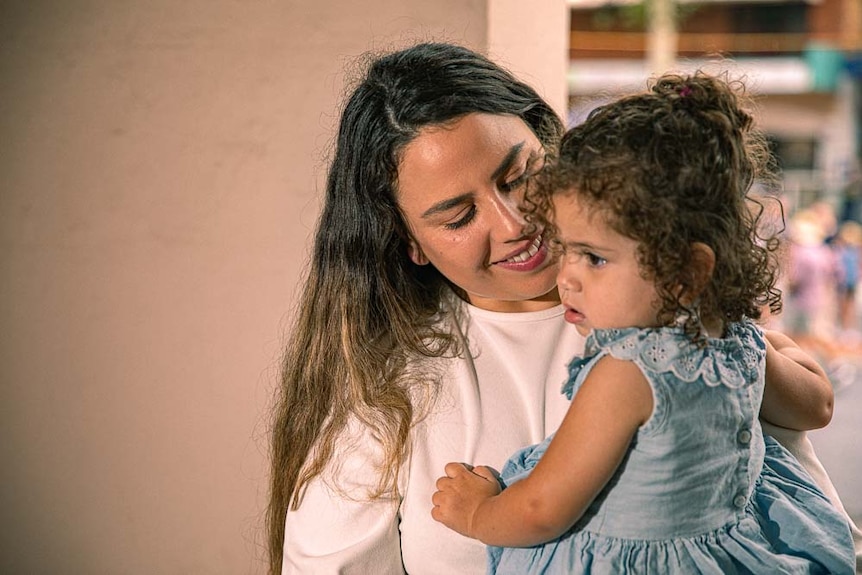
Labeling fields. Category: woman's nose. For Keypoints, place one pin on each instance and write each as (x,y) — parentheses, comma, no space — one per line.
(509,222)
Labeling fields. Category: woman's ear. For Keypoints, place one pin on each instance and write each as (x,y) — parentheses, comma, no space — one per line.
(414,251)
(702,266)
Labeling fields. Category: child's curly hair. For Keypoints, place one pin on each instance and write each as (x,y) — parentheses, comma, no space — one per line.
(669,167)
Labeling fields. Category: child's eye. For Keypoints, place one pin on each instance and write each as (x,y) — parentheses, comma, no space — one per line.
(595,261)
(462,221)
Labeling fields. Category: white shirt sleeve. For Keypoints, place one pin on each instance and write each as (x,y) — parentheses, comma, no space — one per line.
(330,534)
(338,528)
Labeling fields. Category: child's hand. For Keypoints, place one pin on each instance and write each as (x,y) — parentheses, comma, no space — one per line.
(460,493)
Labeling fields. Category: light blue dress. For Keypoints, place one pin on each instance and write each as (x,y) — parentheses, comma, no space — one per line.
(700,490)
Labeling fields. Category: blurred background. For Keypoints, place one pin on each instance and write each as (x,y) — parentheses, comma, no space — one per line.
(802,61)
(160,170)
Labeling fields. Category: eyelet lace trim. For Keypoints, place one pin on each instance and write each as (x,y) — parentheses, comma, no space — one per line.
(731,361)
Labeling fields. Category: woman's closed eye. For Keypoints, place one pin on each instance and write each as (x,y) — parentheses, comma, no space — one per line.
(532,166)
(514,184)
(463,218)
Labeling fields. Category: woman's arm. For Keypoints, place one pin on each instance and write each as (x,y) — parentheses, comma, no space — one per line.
(338,529)
(798,394)
(333,535)
(604,415)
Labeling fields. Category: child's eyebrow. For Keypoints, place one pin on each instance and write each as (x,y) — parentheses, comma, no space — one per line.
(586,247)
(578,245)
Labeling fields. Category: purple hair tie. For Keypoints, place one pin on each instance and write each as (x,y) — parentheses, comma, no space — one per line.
(684,91)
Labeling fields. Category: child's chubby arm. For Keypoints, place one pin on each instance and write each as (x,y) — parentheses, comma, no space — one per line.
(602,419)
(798,394)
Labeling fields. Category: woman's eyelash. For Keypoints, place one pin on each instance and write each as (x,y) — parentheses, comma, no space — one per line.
(530,169)
(460,223)
(513,184)
(505,187)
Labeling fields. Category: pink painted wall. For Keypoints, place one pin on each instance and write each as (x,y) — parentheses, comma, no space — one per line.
(159,169)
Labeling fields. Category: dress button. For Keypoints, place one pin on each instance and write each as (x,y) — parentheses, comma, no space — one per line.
(744,437)
(739,501)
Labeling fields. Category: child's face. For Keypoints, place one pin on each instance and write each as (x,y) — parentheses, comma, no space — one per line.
(599,278)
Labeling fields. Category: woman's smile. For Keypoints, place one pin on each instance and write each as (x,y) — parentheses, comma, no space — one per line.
(527,259)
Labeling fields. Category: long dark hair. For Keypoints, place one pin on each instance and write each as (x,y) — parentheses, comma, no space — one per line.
(366,309)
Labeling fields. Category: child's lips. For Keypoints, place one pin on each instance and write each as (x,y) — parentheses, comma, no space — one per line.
(574,316)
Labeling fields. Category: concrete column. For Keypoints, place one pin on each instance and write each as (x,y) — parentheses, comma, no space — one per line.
(533,42)
(662,36)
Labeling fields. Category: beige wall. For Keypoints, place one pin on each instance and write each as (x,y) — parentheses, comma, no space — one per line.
(159,166)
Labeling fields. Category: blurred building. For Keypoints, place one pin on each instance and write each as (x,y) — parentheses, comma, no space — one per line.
(802,58)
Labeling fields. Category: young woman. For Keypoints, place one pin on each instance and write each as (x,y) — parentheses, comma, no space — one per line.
(428,328)
(660,464)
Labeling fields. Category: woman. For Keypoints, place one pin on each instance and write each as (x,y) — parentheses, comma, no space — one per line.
(428,329)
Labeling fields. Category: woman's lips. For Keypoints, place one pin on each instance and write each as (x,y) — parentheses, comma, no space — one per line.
(529,259)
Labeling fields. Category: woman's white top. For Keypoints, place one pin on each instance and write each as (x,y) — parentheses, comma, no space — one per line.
(503,395)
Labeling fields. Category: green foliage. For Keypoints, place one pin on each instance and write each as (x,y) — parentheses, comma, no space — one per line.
(634,17)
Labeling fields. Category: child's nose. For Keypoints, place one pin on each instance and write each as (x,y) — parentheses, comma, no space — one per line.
(566,279)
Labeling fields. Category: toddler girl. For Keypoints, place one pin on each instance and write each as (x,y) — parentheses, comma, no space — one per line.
(660,465)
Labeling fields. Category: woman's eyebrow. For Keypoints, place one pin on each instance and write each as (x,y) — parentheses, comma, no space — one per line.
(447,204)
(508,160)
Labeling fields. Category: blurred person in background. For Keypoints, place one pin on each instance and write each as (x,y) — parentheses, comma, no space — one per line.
(815,290)
(847,246)
(811,278)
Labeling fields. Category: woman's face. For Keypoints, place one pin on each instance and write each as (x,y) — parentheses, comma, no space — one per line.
(459,187)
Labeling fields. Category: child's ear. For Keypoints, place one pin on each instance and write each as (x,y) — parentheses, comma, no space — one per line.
(414,251)
(702,266)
